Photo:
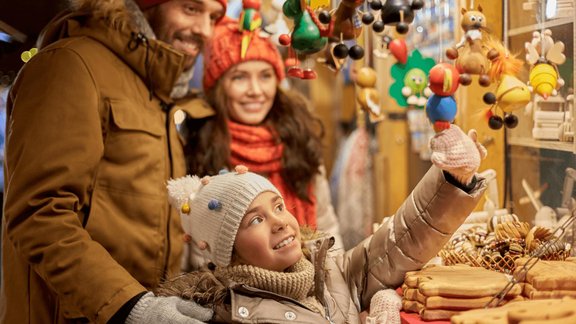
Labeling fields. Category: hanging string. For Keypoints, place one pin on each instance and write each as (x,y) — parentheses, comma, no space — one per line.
(541,25)
(440,12)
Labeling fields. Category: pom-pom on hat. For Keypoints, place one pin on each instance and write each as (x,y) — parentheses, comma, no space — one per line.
(212,208)
(225,51)
(145,4)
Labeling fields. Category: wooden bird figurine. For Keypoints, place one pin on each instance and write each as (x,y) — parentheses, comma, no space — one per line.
(367,95)
(250,20)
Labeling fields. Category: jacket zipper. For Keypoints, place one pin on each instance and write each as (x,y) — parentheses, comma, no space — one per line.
(166,108)
(327,310)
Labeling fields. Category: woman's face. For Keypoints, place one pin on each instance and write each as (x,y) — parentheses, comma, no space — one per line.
(250,88)
(268,236)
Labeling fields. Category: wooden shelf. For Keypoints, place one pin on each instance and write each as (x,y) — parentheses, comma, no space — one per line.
(550,145)
(531,28)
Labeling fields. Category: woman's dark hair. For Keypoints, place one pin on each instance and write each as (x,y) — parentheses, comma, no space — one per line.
(208,140)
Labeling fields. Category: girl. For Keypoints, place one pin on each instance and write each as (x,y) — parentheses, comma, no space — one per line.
(260,125)
(265,270)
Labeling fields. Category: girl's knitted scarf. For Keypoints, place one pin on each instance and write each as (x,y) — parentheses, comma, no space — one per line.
(295,283)
(257,148)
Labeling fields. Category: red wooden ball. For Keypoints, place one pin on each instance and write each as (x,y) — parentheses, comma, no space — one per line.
(444,79)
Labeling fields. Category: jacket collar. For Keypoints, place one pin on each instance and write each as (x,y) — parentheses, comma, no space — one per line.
(318,251)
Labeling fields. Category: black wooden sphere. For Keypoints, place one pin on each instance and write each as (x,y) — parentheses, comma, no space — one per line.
(367,18)
(495,122)
(378,26)
(402,28)
(417,4)
(376,5)
(489,98)
(324,17)
(356,52)
(511,121)
(340,51)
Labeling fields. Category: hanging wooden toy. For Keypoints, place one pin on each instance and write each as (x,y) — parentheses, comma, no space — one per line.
(342,24)
(441,107)
(249,20)
(544,55)
(411,81)
(367,96)
(399,13)
(511,93)
(397,47)
(470,52)
(306,37)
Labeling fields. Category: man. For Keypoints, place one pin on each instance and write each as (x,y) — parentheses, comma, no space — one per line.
(91,141)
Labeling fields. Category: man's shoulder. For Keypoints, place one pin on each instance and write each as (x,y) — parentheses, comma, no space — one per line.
(87,51)
(82,45)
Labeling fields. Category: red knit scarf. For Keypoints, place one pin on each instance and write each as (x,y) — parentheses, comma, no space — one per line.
(256,148)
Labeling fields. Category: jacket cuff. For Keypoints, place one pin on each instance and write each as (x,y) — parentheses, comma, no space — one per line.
(465,187)
(124,311)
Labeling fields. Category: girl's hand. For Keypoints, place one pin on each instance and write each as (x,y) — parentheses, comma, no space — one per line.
(457,153)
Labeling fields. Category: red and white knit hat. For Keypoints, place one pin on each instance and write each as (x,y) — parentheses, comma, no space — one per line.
(224,51)
(145,4)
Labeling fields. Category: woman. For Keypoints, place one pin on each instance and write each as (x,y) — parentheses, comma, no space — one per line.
(260,125)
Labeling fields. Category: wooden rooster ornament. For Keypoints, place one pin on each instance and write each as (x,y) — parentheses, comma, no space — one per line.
(250,20)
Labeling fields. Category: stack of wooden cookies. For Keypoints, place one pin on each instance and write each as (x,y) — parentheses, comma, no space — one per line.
(559,311)
(439,292)
(549,279)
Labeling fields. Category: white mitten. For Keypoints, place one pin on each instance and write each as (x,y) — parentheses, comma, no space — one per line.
(152,310)
(385,308)
(457,153)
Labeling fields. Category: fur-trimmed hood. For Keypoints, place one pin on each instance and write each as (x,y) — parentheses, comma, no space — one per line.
(121,27)
(119,13)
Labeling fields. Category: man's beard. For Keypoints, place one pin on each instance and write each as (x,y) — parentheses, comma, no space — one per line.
(196,39)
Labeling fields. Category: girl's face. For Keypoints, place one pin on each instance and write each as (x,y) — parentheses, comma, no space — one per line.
(269,236)
(250,88)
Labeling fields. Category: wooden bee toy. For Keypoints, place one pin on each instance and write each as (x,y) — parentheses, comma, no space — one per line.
(544,55)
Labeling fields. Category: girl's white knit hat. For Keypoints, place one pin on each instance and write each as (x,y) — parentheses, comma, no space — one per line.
(212,208)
